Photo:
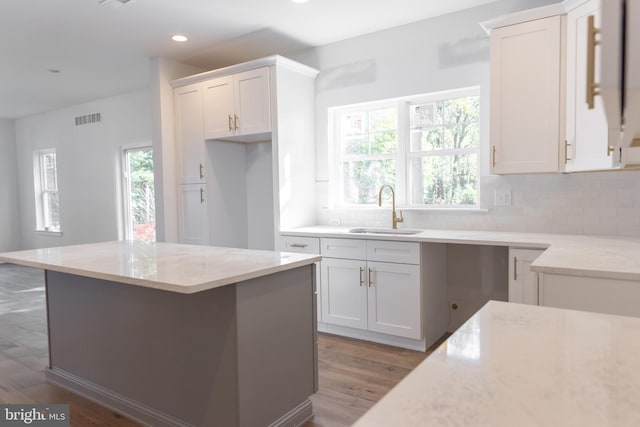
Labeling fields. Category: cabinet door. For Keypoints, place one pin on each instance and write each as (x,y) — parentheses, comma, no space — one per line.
(252,102)
(219,108)
(523,283)
(190,149)
(526,97)
(394,299)
(587,132)
(193,214)
(344,292)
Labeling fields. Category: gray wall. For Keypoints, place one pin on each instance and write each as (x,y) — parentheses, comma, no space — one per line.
(9,211)
(88,159)
(450,52)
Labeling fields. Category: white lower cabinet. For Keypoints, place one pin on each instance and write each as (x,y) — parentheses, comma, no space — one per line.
(523,283)
(393,299)
(376,296)
(344,292)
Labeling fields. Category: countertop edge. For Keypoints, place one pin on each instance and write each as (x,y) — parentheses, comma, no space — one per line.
(553,245)
(165,286)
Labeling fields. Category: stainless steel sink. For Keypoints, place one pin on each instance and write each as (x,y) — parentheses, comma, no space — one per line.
(374,230)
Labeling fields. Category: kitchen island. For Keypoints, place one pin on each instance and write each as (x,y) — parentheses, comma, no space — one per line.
(172,334)
(521,365)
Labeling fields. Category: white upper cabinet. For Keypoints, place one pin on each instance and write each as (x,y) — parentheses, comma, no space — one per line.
(237,107)
(190,149)
(590,145)
(565,88)
(527,95)
(218,107)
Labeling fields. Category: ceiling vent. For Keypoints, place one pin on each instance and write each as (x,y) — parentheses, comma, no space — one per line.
(113,3)
(87,119)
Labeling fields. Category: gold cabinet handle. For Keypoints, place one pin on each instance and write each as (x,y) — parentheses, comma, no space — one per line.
(361,276)
(493,156)
(201,169)
(593,88)
(201,195)
(235,121)
(515,268)
(566,152)
(230,123)
(371,271)
(610,150)
(297,245)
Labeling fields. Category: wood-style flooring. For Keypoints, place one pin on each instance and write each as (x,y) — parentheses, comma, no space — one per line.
(353,375)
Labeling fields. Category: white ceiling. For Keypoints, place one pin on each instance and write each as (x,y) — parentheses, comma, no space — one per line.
(102,51)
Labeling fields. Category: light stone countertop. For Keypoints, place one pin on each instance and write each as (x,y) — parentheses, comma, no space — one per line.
(574,255)
(521,365)
(168,266)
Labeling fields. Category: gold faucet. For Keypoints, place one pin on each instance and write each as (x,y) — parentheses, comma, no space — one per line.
(396,219)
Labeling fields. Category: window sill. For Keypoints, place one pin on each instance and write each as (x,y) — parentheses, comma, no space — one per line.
(411,208)
(48,233)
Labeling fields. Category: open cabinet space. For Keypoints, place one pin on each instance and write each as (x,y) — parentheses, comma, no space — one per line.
(240,194)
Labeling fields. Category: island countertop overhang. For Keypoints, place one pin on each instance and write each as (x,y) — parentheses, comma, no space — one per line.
(171,267)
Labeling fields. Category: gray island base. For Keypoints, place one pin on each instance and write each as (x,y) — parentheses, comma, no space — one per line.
(237,355)
(182,335)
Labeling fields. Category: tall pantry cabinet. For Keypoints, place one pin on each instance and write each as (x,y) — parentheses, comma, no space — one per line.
(193,220)
(242,134)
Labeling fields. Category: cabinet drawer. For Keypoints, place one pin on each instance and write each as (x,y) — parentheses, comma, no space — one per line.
(306,245)
(343,248)
(385,251)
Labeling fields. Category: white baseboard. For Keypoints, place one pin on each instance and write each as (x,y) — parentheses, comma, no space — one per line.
(408,343)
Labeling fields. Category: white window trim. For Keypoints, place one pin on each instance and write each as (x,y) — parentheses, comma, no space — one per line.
(39,192)
(403,154)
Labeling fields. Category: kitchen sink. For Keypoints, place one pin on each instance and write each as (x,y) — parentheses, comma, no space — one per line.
(385,230)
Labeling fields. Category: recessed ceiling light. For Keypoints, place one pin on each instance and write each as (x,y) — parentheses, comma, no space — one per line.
(179,38)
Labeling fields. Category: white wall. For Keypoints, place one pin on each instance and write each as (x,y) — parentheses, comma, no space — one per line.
(88,159)
(9,211)
(451,52)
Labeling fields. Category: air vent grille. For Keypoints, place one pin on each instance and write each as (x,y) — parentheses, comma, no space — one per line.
(113,3)
(88,119)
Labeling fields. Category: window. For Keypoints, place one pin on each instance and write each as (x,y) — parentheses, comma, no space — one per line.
(139,199)
(426,146)
(46,190)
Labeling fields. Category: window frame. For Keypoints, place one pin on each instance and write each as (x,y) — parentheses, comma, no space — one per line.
(125,179)
(404,154)
(43,192)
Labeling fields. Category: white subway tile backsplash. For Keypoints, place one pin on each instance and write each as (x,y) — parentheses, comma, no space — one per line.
(585,203)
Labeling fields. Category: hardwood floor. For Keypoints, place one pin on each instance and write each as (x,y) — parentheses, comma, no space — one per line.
(353,374)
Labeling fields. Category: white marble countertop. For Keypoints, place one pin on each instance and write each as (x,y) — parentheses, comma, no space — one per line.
(575,255)
(172,267)
(520,365)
